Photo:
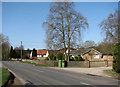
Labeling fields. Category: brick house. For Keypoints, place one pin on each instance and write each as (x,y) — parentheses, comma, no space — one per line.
(91,54)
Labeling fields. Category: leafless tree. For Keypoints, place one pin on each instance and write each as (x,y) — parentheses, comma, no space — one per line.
(75,23)
(4,46)
(110,27)
(88,44)
(64,25)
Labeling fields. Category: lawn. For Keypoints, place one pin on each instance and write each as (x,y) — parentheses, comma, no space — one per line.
(113,73)
(5,75)
(35,64)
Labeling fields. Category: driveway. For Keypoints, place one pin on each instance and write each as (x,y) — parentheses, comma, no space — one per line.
(36,75)
(94,71)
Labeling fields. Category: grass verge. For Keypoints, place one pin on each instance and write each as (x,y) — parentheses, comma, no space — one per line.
(113,73)
(5,76)
(35,64)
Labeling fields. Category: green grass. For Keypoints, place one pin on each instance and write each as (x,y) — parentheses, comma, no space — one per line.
(5,75)
(35,64)
(112,72)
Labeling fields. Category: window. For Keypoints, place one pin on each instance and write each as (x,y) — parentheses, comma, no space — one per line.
(96,56)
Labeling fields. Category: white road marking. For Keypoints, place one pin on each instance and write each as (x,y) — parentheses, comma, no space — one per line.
(38,70)
(84,83)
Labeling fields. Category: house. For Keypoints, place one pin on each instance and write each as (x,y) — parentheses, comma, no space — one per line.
(42,53)
(90,54)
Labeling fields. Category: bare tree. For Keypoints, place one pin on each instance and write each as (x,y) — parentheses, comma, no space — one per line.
(105,47)
(88,44)
(64,25)
(5,45)
(56,27)
(75,23)
(110,27)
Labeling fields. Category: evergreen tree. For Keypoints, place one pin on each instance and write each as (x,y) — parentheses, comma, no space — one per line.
(116,55)
(11,52)
(34,53)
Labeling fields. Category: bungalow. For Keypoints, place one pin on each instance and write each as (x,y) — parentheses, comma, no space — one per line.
(90,54)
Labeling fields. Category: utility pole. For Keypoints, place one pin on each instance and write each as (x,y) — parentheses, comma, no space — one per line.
(21,50)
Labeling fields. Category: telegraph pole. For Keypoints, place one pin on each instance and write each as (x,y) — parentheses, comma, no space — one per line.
(21,50)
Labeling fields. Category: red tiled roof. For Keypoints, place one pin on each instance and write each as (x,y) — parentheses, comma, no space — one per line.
(41,52)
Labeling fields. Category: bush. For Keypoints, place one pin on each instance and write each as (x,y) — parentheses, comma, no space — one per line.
(59,56)
(76,58)
(116,57)
(79,58)
(63,57)
(72,59)
(47,58)
(51,57)
(25,57)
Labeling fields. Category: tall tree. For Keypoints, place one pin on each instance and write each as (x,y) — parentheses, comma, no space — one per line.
(64,25)
(18,51)
(88,44)
(5,47)
(116,56)
(34,53)
(11,52)
(110,27)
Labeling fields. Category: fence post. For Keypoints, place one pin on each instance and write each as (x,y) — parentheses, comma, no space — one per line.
(106,63)
(88,63)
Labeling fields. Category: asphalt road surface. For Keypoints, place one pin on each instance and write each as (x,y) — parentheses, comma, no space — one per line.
(37,75)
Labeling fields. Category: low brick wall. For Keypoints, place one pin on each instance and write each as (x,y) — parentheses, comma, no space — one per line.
(89,63)
(82,64)
(97,64)
(77,64)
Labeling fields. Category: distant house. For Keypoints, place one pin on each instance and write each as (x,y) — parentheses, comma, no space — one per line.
(42,53)
(90,54)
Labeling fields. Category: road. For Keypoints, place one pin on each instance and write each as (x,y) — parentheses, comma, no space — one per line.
(37,75)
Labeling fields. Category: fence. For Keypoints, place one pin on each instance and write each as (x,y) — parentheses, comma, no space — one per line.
(82,64)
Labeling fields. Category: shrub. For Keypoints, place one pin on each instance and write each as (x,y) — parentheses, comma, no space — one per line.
(47,58)
(72,59)
(116,57)
(63,57)
(25,57)
(51,57)
(79,58)
(59,56)
(76,58)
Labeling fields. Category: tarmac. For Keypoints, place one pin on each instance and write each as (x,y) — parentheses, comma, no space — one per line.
(93,71)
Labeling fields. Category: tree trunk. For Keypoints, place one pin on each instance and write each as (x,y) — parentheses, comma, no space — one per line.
(68,39)
(63,37)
